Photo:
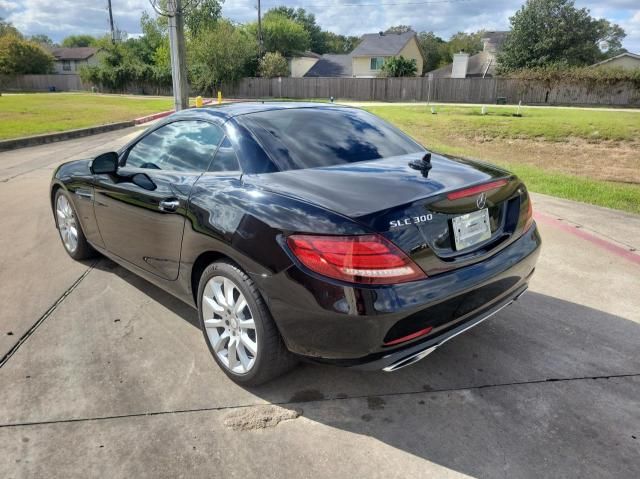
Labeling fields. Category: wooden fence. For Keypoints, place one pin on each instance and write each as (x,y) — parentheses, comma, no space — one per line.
(464,90)
(73,82)
(41,83)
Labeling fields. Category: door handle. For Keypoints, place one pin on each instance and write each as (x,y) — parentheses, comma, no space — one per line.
(169,205)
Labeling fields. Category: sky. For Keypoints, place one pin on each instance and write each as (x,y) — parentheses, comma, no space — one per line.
(59,18)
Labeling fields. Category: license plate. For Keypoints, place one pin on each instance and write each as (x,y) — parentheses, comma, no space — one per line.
(471,229)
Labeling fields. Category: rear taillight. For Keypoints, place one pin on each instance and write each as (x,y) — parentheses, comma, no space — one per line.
(474,190)
(369,259)
(529,215)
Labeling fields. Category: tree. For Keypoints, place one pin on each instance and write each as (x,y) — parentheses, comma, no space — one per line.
(79,41)
(308,22)
(273,65)
(548,32)
(399,67)
(119,65)
(7,28)
(611,36)
(41,39)
(19,56)
(434,49)
(470,43)
(202,15)
(281,34)
(222,54)
(335,43)
(399,29)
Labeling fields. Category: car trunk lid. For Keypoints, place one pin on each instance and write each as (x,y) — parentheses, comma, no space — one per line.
(413,211)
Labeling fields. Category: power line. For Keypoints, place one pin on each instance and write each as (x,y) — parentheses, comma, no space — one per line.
(383,4)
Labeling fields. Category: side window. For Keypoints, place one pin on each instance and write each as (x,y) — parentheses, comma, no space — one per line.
(225,159)
(376,63)
(178,146)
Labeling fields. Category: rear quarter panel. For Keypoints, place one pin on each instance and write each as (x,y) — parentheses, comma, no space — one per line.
(244,223)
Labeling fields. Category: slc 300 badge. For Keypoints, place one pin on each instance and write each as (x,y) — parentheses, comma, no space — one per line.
(413,220)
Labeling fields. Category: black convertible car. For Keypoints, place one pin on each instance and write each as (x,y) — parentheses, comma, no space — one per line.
(304,230)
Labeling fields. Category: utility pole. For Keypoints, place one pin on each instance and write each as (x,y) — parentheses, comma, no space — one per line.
(259,31)
(178,61)
(113,33)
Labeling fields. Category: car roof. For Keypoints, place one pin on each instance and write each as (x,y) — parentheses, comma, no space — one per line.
(230,110)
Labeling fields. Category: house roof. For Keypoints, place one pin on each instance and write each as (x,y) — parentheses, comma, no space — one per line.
(77,53)
(306,54)
(382,44)
(625,54)
(478,64)
(497,37)
(331,65)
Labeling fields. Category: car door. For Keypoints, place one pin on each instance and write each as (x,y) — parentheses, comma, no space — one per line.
(141,211)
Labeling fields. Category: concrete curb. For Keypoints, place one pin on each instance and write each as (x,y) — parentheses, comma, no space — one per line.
(24,142)
(155,116)
(15,143)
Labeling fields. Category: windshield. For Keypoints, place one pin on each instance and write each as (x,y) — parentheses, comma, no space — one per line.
(316,137)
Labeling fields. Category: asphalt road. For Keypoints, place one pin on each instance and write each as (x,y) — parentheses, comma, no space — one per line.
(104,375)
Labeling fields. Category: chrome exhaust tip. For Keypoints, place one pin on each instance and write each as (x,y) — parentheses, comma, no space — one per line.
(410,360)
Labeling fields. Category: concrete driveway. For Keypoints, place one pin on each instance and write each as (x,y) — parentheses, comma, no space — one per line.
(104,375)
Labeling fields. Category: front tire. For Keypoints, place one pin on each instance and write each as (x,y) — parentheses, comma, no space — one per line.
(238,328)
(71,234)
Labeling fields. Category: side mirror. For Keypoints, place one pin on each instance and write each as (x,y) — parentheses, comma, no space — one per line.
(143,181)
(105,164)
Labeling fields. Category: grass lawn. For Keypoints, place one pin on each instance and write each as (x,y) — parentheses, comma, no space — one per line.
(33,114)
(582,155)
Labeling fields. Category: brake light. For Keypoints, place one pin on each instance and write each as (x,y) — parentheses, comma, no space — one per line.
(529,216)
(369,259)
(474,190)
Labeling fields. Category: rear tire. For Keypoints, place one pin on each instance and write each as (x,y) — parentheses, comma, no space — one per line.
(238,328)
(69,228)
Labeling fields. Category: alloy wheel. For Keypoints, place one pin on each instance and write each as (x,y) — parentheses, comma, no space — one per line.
(229,325)
(67,223)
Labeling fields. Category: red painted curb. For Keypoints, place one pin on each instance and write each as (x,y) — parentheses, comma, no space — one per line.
(580,233)
(162,114)
(155,116)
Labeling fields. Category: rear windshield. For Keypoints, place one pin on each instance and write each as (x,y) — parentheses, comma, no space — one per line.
(317,137)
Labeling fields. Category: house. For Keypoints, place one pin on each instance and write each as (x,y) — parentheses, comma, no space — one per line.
(69,60)
(331,65)
(300,63)
(628,61)
(374,48)
(480,65)
(365,61)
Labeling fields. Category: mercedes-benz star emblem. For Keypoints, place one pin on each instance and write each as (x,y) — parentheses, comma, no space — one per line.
(481,201)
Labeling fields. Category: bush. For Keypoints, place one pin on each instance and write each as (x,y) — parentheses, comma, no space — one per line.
(399,67)
(560,73)
(272,65)
(18,56)
(222,54)
(119,66)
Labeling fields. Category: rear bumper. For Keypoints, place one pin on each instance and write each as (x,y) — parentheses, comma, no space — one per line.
(400,359)
(337,323)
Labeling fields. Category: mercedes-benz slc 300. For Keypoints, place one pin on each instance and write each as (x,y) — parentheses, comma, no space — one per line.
(304,231)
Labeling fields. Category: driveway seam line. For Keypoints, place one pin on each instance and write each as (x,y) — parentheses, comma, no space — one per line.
(46,314)
(285,403)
